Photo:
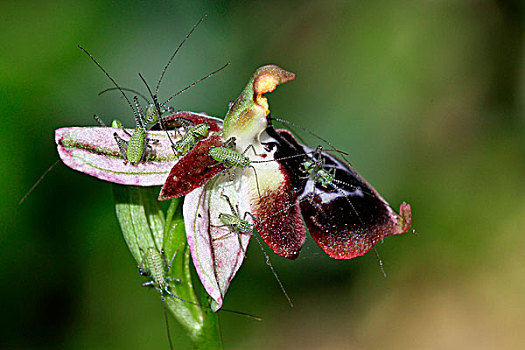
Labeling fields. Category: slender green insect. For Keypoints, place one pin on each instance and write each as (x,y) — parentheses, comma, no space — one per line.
(136,149)
(154,266)
(231,158)
(193,135)
(315,169)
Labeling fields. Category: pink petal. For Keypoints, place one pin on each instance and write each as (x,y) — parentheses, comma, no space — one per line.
(217,252)
(94,151)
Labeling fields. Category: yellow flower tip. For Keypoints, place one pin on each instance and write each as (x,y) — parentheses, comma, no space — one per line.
(268,77)
(265,83)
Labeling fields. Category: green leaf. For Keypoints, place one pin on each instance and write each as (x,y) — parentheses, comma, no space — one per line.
(144,224)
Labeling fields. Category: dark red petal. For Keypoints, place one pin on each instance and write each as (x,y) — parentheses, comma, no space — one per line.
(278,213)
(348,218)
(284,232)
(341,236)
(345,219)
(193,170)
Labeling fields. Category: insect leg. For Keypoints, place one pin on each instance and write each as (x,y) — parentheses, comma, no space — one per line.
(230,204)
(379,261)
(231,232)
(171,261)
(230,143)
(39,181)
(143,270)
(122,146)
(166,318)
(176,297)
(98,120)
(147,153)
(254,151)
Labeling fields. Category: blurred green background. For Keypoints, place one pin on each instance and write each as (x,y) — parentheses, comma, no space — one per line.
(426,96)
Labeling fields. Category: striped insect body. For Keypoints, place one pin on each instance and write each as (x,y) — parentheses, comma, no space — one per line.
(314,167)
(137,148)
(228,156)
(155,267)
(235,222)
(193,135)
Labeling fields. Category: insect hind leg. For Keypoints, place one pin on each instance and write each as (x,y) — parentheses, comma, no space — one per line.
(122,146)
(252,147)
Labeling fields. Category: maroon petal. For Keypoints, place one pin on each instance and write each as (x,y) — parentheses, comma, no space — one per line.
(278,213)
(281,226)
(330,226)
(193,170)
(348,217)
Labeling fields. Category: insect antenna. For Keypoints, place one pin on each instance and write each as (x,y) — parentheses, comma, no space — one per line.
(244,314)
(379,261)
(157,108)
(366,191)
(320,165)
(125,89)
(294,156)
(269,263)
(176,51)
(341,192)
(110,78)
(196,82)
(22,200)
(270,118)
(251,233)
(99,121)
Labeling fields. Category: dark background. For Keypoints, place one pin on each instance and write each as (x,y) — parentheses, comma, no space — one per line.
(427,97)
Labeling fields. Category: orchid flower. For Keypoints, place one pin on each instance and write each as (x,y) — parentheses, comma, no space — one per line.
(281,184)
